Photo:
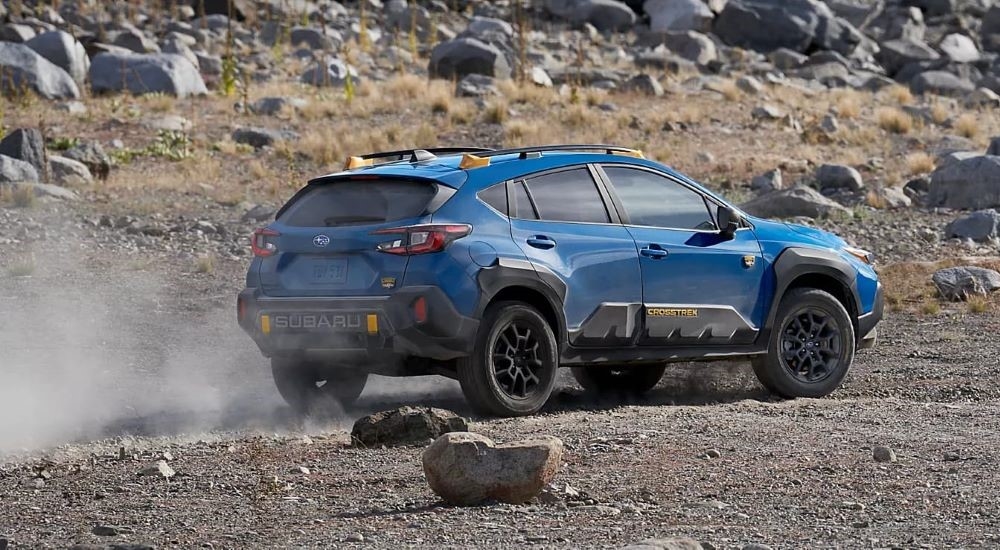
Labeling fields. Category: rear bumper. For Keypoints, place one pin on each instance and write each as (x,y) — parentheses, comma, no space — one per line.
(361,329)
(867,322)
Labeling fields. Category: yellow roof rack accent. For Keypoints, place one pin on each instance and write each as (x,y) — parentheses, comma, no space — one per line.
(470,161)
(631,153)
(357,162)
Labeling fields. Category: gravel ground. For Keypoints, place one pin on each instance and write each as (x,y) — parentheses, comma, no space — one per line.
(111,363)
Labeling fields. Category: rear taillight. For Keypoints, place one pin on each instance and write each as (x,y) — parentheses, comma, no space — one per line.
(264,242)
(421,239)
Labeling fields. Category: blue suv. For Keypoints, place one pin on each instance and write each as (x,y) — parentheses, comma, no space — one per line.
(498,267)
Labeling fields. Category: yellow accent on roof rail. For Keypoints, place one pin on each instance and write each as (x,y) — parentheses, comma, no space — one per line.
(631,153)
(470,161)
(357,162)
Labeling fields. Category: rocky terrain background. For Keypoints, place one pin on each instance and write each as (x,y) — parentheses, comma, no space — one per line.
(143,141)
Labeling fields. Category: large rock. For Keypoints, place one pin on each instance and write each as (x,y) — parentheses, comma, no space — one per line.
(990,30)
(92,155)
(839,176)
(145,73)
(959,48)
(262,137)
(22,67)
(63,51)
(330,72)
(972,183)
(896,54)
(316,39)
(979,226)
(961,283)
(678,15)
(66,171)
(790,203)
(466,55)
(799,25)
(692,46)
(466,468)
(16,171)
(941,83)
(28,145)
(241,9)
(605,15)
(276,105)
(405,426)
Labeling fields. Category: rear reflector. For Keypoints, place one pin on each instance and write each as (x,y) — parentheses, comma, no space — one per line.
(420,310)
(421,239)
(265,324)
(372,323)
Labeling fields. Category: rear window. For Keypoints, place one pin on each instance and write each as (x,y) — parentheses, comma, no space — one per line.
(359,203)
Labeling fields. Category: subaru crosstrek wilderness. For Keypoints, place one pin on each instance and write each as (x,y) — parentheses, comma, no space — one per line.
(498,267)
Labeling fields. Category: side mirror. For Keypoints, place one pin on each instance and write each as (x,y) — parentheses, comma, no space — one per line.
(729,221)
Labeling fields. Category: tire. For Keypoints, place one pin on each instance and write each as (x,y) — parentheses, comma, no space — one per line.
(626,381)
(801,361)
(313,387)
(516,336)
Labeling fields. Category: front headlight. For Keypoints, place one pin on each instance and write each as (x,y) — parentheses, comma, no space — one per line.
(863,255)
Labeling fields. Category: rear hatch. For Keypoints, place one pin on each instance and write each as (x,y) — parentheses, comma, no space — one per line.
(326,244)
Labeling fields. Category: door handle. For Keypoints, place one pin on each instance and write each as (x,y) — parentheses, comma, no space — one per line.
(654,252)
(541,241)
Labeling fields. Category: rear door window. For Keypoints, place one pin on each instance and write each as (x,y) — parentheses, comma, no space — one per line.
(345,203)
(568,196)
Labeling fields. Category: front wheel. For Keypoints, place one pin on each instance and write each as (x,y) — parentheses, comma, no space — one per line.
(512,369)
(310,386)
(610,380)
(811,347)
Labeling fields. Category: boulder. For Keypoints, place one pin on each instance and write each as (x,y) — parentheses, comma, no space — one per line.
(893,197)
(959,48)
(16,171)
(316,39)
(644,84)
(476,85)
(971,183)
(135,41)
(934,8)
(678,15)
(990,29)
(63,51)
(28,145)
(941,83)
(768,181)
(466,55)
(274,105)
(979,226)
(961,283)
(485,26)
(839,176)
(799,25)
(92,155)
(790,203)
(262,137)
(66,171)
(604,15)
(405,426)
(896,54)
(181,48)
(466,469)
(691,45)
(330,72)
(145,73)
(994,148)
(21,66)
(786,59)
(241,9)
(16,33)
(982,98)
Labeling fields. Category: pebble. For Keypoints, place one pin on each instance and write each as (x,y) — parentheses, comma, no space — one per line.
(712,453)
(3,543)
(159,468)
(355,537)
(756,546)
(105,530)
(952,456)
(883,454)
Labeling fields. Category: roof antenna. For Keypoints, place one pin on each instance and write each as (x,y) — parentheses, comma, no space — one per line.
(420,155)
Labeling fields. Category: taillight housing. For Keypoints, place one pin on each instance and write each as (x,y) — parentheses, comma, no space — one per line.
(264,242)
(421,239)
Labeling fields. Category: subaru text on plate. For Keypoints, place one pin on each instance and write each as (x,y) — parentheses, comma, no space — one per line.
(499,267)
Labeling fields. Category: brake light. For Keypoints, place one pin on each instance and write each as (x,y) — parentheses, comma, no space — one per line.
(421,239)
(264,242)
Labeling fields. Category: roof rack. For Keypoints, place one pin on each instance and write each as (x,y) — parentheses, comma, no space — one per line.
(413,155)
(525,152)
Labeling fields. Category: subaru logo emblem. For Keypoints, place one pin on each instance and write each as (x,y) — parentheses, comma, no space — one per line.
(321,241)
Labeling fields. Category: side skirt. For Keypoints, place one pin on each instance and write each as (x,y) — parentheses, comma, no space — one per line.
(576,356)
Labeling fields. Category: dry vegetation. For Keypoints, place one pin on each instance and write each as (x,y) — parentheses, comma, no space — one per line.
(909,288)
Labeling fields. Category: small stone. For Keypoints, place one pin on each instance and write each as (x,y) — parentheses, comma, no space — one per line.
(712,453)
(829,124)
(848,505)
(159,468)
(3,543)
(405,426)
(839,176)
(355,537)
(303,470)
(883,454)
(767,112)
(768,181)
(750,85)
(951,456)
(756,546)
(667,544)
(861,524)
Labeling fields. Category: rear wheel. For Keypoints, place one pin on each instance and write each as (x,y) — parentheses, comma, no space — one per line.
(811,347)
(310,386)
(611,380)
(512,369)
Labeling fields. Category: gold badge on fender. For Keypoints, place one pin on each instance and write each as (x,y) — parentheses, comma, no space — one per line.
(749,261)
(388,282)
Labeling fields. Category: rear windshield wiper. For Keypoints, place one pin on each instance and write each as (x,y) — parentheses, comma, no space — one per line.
(341,220)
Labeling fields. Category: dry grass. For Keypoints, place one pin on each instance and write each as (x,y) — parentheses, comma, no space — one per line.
(848,103)
(204,264)
(22,267)
(159,103)
(894,120)
(908,284)
(322,145)
(919,163)
(875,199)
(20,196)
(967,126)
(578,116)
(939,113)
(900,94)
(258,169)
(930,307)
(405,87)
(978,304)
(496,112)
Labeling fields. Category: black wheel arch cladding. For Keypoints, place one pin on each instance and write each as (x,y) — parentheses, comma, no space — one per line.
(795,263)
(509,278)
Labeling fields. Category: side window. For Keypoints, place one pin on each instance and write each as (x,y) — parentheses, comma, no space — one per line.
(495,196)
(656,201)
(568,196)
(522,204)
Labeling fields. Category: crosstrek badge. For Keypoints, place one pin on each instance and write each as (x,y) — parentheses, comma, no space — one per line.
(388,282)
(749,261)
